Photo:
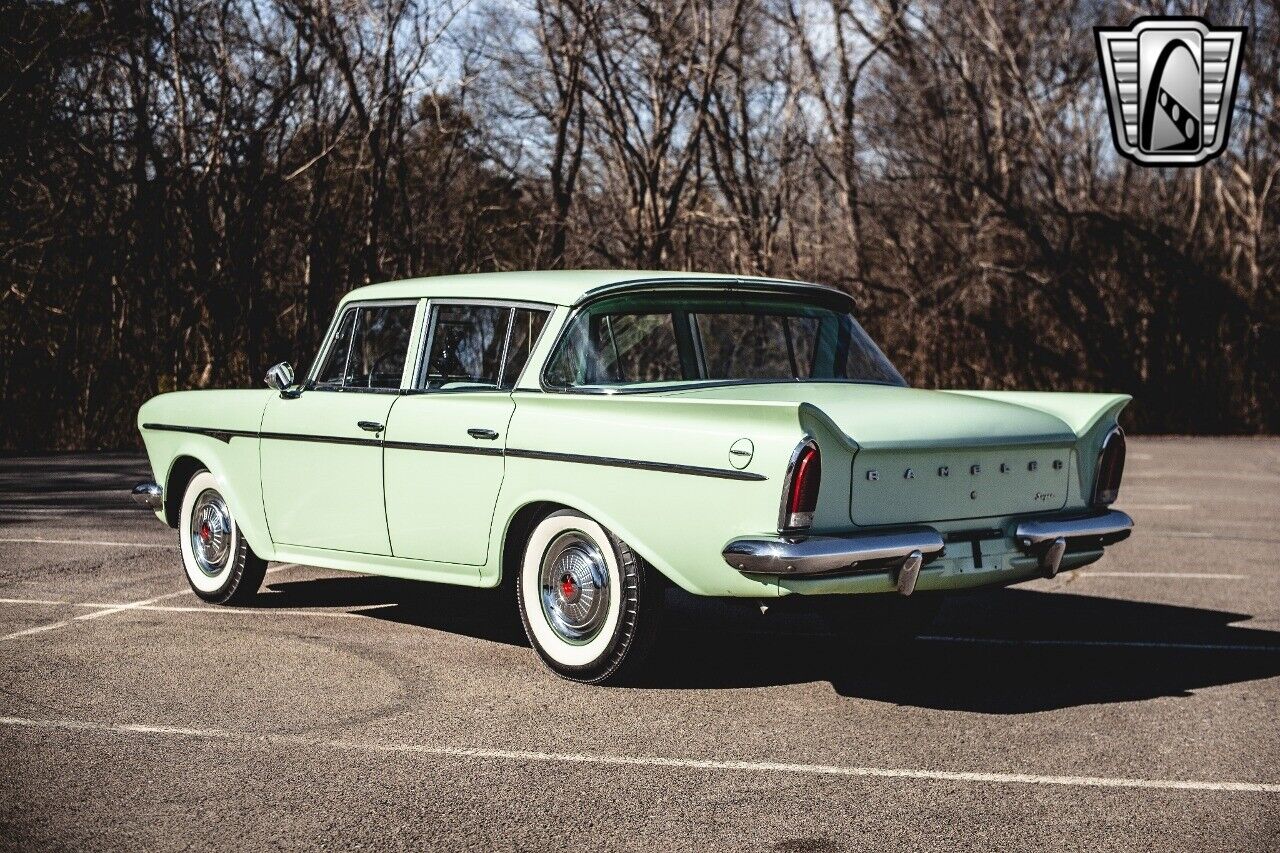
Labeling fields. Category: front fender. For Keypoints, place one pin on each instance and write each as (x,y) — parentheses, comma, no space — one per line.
(233,460)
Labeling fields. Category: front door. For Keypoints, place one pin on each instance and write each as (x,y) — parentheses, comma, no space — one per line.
(322,451)
(444,444)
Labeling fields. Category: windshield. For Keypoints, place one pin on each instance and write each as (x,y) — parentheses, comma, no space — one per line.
(660,339)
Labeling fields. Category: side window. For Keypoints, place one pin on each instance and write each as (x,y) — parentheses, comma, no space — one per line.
(526,325)
(757,346)
(643,347)
(334,369)
(369,348)
(380,346)
(616,348)
(466,346)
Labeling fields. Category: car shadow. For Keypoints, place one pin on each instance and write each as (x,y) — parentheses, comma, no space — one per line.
(485,614)
(1000,651)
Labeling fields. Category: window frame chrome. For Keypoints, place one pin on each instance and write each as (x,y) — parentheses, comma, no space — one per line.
(728,284)
(416,381)
(311,383)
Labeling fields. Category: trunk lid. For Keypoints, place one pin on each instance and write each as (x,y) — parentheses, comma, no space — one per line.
(932,455)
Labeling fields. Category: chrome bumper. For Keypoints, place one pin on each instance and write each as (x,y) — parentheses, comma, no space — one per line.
(149,495)
(904,549)
(1049,538)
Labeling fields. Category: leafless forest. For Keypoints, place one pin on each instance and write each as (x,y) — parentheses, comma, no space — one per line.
(188,186)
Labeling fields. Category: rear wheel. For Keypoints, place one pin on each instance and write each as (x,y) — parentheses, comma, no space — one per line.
(220,565)
(590,606)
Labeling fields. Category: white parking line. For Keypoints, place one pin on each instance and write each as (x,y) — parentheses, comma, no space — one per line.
(1121,644)
(96,614)
(109,609)
(1206,475)
(1160,575)
(249,740)
(214,610)
(94,542)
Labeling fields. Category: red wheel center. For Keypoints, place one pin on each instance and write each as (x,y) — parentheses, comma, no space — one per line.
(205,532)
(568,586)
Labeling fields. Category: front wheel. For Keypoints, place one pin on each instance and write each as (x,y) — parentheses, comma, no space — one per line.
(589,604)
(220,565)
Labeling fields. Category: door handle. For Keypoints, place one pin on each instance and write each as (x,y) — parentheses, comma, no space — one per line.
(478,432)
(369,426)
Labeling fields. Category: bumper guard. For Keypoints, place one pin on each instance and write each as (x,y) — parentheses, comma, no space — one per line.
(149,495)
(1049,538)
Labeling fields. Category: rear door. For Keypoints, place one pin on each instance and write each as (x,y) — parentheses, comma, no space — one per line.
(322,451)
(444,443)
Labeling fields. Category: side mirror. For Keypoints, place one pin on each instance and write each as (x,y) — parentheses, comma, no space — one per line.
(280,378)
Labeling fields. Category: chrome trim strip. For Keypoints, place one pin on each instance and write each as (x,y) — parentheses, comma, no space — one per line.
(1037,531)
(613,462)
(321,439)
(224,435)
(149,495)
(228,434)
(727,282)
(442,448)
(819,555)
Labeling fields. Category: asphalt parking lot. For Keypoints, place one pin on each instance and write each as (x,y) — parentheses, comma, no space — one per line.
(1131,705)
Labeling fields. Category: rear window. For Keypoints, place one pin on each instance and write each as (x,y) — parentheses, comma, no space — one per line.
(660,338)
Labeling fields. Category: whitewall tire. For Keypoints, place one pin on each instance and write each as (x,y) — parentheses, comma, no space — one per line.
(589,604)
(220,565)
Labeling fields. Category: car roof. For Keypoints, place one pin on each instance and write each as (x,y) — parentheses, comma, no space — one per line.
(557,287)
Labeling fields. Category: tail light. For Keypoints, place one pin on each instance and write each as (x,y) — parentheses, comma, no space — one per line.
(800,490)
(1110,469)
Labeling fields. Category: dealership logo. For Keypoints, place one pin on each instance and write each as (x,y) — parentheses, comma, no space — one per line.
(1170,85)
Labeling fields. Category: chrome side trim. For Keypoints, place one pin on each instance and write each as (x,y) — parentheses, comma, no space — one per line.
(224,435)
(149,495)
(1037,531)
(614,462)
(818,555)
(609,461)
(731,283)
(442,448)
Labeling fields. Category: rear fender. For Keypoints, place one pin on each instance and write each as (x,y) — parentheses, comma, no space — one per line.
(1090,417)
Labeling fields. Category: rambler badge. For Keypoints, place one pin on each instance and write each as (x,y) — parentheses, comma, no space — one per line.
(1170,85)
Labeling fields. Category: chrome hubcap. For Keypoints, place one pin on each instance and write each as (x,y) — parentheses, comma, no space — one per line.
(211,532)
(574,585)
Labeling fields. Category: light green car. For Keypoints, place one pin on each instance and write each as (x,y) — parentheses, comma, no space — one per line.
(590,438)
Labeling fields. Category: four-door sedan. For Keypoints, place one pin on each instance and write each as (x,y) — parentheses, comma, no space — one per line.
(591,437)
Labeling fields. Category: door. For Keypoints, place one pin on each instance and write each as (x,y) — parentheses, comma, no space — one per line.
(322,451)
(444,444)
